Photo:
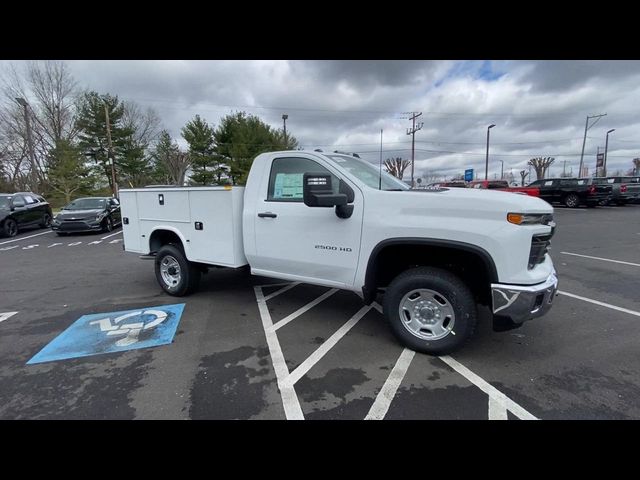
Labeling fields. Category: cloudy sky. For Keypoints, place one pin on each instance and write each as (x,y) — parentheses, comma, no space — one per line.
(538,107)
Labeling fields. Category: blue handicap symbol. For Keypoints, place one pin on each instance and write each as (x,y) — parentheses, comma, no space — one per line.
(113,332)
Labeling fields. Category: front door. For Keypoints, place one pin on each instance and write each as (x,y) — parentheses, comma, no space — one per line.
(299,242)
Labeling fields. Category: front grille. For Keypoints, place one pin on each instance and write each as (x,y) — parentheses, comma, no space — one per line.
(539,247)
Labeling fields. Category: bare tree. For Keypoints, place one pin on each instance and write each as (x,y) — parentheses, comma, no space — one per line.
(636,166)
(541,165)
(144,123)
(396,166)
(523,175)
(49,91)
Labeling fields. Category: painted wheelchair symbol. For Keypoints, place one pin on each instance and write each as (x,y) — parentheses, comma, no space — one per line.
(130,330)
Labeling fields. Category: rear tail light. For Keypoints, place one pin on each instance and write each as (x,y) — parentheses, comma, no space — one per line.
(592,190)
(623,188)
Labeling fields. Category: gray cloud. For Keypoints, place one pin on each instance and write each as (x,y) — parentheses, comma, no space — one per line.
(539,107)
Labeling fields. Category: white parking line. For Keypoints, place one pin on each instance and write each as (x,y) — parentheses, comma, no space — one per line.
(6,315)
(497,410)
(302,310)
(603,259)
(112,235)
(24,238)
(315,357)
(602,304)
(498,400)
(382,402)
(282,290)
(290,402)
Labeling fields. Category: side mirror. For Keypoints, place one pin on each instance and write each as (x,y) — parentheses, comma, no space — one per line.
(317,191)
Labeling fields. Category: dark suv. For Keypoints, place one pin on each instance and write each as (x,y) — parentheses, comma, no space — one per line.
(572,192)
(625,189)
(23,210)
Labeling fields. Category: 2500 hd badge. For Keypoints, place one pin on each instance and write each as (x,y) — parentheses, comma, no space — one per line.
(333,247)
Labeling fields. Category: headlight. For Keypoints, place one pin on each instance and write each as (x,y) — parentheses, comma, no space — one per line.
(531,219)
(100,216)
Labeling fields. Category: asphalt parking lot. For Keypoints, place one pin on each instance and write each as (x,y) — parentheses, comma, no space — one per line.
(240,336)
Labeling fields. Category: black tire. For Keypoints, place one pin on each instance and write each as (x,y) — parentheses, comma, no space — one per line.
(107,225)
(448,286)
(572,200)
(46,221)
(187,279)
(10,228)
(61,234)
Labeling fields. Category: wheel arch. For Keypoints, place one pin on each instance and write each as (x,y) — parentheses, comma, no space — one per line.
(382,267)
(164,235)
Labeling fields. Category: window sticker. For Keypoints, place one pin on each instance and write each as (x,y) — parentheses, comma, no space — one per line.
(288,185)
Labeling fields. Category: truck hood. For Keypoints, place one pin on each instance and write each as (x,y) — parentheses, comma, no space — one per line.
(482,199)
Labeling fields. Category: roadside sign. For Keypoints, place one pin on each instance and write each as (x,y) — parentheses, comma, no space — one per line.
(113,332)
(468,175)
(600,160)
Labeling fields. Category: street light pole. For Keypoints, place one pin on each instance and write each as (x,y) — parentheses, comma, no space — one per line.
(486,164)
(606,146)
(32,158)
(284,120)
(502,170)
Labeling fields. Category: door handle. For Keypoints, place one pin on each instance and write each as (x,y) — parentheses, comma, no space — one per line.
(267,215)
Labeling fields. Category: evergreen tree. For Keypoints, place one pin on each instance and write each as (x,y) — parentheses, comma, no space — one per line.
(241,137)
(92,125)
(199,136)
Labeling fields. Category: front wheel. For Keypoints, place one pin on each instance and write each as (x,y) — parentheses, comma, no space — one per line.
(430,310)
(10,227)
(175,274)
(107,225)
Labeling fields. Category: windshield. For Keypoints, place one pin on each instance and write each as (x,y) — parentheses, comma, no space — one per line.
(4,201)
(368,173)
(86,204)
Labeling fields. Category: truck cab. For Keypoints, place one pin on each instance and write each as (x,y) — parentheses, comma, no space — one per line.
(432,255)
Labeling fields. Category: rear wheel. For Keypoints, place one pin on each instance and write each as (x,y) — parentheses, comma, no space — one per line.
(46,221)
(175,274)
(10,227)
(572,200)
(430,310)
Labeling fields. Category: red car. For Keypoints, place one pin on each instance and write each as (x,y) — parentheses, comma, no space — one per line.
(503,186)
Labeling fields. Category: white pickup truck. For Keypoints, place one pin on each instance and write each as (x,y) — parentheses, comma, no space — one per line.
(335,220)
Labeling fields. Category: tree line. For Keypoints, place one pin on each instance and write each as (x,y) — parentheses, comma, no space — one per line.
(61,141)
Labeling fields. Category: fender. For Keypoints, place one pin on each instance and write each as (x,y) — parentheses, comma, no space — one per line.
(369,289)
(185,243)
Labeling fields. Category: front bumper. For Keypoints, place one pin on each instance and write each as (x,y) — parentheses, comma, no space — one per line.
(521,303)
(76,226)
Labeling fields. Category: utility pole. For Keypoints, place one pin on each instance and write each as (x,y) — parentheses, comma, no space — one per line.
(32,158)
(412,131)
(284,120)
(502,170)
(587,127)
(564,168)
(110,152)
(597,155)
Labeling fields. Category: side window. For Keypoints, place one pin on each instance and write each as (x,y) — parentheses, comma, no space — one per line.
(285,179)
(19,200)
(28,199)
(611,180)
(548,183)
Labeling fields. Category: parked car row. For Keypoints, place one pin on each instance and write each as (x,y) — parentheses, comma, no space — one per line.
(592,191)
(571,192)
(24,210)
